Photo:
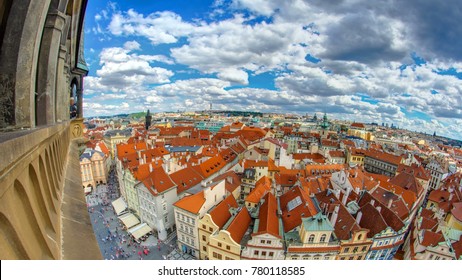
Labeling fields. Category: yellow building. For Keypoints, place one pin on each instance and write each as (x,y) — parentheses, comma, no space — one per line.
(212,222)
(112,138)
(355,156)
(93,168)
(357,247)
(454,218)
(226,243)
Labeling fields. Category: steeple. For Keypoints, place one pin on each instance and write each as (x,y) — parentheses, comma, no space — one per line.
(147,123)
(325,123)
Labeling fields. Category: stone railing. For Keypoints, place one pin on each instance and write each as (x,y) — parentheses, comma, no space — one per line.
(43,212)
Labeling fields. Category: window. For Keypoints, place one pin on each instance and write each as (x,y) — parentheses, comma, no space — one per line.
(210,229)
(360,257)
(323,238)
(204,238)
(351,258)
(166,219)
(204,226)
(346,250)
(364,249)
(256,252)
(268,241)
(271,254)
(204,248)
(228,247)
(263,253)
(219,244)
(262,241)
(311,239)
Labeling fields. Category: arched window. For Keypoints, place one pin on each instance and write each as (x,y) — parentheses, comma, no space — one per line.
(323,238)
(360,237)
(311,239)
(73,107)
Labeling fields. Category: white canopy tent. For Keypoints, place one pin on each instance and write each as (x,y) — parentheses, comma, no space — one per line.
(129,220)
(119,206)
(140,230)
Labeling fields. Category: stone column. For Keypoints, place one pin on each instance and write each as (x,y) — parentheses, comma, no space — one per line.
(48,73)
(62,88)
(80,98)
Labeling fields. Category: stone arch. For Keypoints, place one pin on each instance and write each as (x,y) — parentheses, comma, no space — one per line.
(37,185)
(24,213)
(50,191)
(12,247)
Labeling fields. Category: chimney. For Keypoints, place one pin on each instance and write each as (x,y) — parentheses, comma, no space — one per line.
(334,216)
(345,196)
(358,217)
(372,202)
(450,196)
(150,167)
(379,208)
(144,158)
(390,202)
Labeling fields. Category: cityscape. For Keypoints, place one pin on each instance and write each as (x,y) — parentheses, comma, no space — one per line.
(207,185)
(229,130)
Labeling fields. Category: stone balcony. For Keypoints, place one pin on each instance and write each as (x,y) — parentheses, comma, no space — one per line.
(43,213)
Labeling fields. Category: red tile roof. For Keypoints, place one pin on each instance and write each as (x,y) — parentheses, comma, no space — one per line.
(456,211)
(431,238)
(315,185)
(262,187)
(384,157)
(304,208)
(340,154)
(142,171)
(232,180)
(183,141)
(457,246)
(316,157)
(269,222)
(419,171)
(372,220)
(220,214)
(357,125)
(345,223)
(330,143)
(427,223)
(239,225)
(191,203)
(185,179)
(408,182)
(397,204)
(210,166)
(158,181)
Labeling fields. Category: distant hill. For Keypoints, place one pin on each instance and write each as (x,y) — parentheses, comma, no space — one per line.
(137,115)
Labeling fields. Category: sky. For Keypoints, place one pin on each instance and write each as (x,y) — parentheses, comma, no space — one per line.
(395,62)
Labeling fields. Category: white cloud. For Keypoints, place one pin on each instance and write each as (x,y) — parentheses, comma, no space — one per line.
(234,76)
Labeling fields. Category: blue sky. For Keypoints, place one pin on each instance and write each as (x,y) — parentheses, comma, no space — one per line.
(350,58)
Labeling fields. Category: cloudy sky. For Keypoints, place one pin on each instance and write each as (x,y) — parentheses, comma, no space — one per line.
(393,61)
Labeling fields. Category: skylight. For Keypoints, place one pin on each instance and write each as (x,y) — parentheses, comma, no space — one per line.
(294,203)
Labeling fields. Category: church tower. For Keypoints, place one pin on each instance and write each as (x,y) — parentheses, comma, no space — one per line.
(147,123)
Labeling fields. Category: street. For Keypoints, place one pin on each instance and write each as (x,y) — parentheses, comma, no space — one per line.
(114,242)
